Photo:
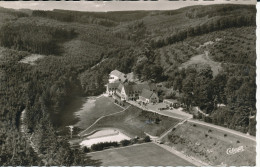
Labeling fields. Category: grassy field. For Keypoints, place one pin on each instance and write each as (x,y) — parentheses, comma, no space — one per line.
(203,59)
(135,122)
(94,109)
(210,145)
(145,154)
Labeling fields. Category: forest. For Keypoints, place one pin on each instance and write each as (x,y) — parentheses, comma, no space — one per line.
(73,47)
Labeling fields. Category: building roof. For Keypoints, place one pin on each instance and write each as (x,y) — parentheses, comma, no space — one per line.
(135,88)
(171,100)
(116,73)
(146,93)
(152,86)
(120,86)
(130,77)
(113,85)
(119,74)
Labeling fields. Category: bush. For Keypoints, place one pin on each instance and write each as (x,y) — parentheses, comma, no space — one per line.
(225,135)
(86,149)
(102,146)
(147,139)
(125,142)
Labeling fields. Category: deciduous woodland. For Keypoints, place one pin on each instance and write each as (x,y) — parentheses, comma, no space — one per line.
(155,45)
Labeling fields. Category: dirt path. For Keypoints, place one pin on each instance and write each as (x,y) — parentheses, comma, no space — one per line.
(82,133)
(170,129)
(98,63)
(29,138)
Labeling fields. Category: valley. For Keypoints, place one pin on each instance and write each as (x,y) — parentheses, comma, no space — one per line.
(56,65)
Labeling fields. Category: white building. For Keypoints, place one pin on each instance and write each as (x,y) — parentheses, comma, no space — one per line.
(117,76)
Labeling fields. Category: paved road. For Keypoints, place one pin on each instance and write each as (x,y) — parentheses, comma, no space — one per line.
(172,115)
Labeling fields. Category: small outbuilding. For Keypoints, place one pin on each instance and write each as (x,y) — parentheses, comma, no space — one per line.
(171,103)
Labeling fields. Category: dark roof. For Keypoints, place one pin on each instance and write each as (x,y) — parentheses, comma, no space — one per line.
(152,86)
(120,86)
(146,93)
(135,88)
(113,85)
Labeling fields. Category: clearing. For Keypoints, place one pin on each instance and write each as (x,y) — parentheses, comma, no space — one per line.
(31,59)
(135,122)
(141,154)
(203,59)
(94,108)
(211,145)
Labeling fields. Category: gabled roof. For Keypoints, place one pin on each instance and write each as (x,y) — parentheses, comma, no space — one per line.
(152,86)
(119,74)
(130,77)
(116,73)
(113,85)
(146,93)
(135,88)
(120,86)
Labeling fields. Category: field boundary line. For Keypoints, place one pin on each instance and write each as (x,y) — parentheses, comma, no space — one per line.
(100,119)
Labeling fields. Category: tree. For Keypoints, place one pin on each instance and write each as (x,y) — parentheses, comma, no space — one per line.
(125,142)
(147,139)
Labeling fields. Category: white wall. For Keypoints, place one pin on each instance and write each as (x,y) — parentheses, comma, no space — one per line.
(115,78)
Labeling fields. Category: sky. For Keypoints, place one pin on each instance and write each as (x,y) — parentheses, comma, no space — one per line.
(104,6)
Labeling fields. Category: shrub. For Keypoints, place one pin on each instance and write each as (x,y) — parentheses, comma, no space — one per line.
(225,135)
(102,146)
(147,139)
(86,149)
(125,142)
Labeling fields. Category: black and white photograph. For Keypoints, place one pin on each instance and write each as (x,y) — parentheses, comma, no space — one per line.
(128,83)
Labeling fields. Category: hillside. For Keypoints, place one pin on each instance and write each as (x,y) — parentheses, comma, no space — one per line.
(158,46)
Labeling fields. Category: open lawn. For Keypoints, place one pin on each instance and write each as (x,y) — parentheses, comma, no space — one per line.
(134,122)
(211,145)
(144,155)
(95,108)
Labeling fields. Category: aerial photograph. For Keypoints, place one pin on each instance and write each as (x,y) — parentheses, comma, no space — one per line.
(128,83)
